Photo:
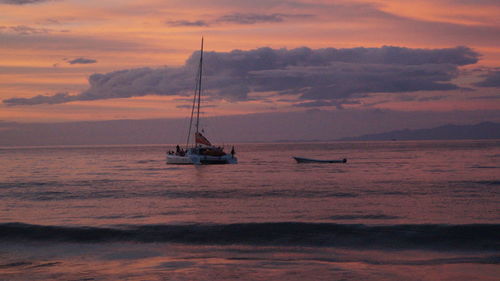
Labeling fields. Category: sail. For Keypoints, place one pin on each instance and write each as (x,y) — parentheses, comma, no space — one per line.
(201,140)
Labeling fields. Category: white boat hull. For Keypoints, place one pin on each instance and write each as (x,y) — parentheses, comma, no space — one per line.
(190,159)
(179,160)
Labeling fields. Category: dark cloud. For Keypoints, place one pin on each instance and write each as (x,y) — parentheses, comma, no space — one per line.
(433,98)
(491,79)
(22,2)
(416,97)
(24,30)
(250,18)
(326,103)
(81,60)
(41,99)
(343,80)
(329,75)
(240,18)
(317,103)
(187,23)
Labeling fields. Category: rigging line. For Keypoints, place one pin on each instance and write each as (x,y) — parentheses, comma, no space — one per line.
(191,119)
(192,114)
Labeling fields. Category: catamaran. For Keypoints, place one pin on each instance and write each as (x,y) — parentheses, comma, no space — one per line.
(201,151)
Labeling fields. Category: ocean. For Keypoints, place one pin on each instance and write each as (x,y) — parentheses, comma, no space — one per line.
(397,210)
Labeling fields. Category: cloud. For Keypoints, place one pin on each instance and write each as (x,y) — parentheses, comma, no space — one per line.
(316,103)
(240,18)
(56,21)
(329,75)
(433,98)
(344,80)
(41,99)
(323,103)
(24,30)
(81,60)
(250,18)
(187,23)
(492,79)
(22,2)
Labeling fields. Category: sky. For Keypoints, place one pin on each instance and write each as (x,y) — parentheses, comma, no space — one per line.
(86,60)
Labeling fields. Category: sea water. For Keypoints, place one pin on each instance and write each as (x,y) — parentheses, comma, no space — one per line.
(397,210)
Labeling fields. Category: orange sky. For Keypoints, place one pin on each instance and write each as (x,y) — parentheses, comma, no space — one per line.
(38,40)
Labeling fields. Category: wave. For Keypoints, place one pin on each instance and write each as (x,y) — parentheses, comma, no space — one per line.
(127,190)
(422,236)
(490,259)
(366,217)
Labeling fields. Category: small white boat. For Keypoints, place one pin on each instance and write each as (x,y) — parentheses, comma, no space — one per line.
(310,160)
(201,151)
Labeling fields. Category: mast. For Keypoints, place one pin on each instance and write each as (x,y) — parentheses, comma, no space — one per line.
(199,88)
(196,98)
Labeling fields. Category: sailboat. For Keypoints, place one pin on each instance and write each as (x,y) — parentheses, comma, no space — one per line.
(201,151)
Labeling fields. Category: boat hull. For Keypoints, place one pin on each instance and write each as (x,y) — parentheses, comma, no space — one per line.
(310,160)
(179,160)
(195,159)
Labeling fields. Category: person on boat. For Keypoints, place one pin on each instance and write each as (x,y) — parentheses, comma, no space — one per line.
(232,152)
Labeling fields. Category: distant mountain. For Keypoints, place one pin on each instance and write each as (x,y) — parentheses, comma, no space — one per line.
(485,130)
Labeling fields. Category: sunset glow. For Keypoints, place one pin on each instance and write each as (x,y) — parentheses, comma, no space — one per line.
(53,47)
(249,140)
